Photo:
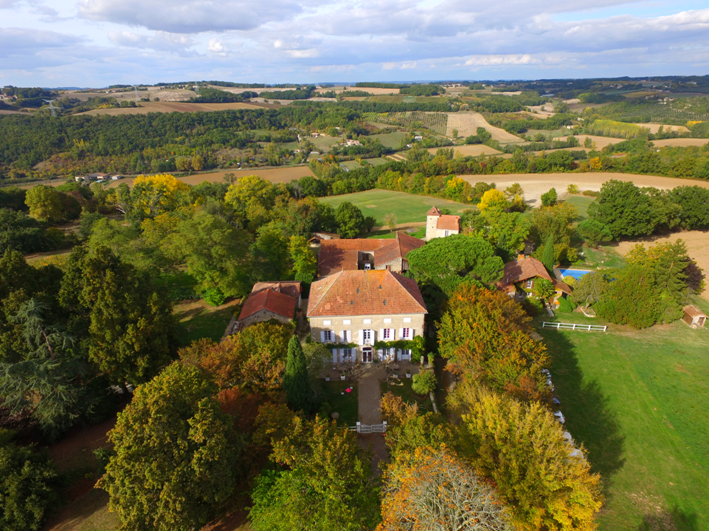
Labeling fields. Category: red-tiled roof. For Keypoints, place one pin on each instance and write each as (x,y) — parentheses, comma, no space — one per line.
(693,311)
(362,293)
(291,288)
(522,270)
(559,285)
(271,300)
(449,222)
(342,255)
(434,212)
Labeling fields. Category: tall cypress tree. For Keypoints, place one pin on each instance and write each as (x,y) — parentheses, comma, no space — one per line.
(296,382)
(548,253)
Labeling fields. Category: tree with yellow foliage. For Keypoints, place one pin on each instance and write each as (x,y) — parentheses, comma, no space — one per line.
(546,482)
(156,194)
(493,199)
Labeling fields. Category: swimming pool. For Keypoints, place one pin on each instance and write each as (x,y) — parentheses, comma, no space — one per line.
(577,274)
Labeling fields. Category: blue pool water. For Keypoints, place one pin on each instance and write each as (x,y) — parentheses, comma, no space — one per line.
(577,274)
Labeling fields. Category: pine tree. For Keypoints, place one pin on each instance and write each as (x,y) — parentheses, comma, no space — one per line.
(296,382)
(548,253)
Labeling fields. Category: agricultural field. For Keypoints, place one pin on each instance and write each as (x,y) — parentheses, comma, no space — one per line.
(173,107)
(435,122)
(352,165)
(391,140)
(653,128)
(468,123)
(407,208)
(637,401)
(679,142)
(468,150)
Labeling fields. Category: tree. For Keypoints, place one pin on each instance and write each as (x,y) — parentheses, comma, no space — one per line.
(455,133)
(549,198)
(296,380)
(305,263)
(507,231)
(250,193)
(543,289)
(254,359)
(45,204)
(520,447)
(198,162)
(624,209)
(391,221)
(351,222)
(175,454)
(548,253)
(492,199)
(329,484)
(432,489)
(590,288)
(632,298)
(157,194)
(694,213)
(271,253)
(183,164)
(129,322)
(424,382)
(485,335)
(215,253)
(29,487)
(514,190)
(448,262)
(556,221)
(594,232)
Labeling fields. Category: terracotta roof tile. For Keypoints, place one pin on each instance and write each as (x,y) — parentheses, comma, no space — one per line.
(522,270)
(342,255)
(397,248)
(449,222)
(559,285)
(291,288)
(362,293)
(434,212)
(271,300)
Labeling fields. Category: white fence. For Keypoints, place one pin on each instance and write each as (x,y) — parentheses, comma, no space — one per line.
(369,429)
(573,326)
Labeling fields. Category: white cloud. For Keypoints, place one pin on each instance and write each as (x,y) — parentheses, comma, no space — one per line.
(495,60)
(185,16)
(160,41)
(216,47)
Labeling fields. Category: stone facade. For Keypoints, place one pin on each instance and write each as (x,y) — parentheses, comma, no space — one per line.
(263,315)
(441,225)
(351,330)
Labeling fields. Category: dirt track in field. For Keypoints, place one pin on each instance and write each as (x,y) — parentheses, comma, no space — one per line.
(698,248)
(467,124)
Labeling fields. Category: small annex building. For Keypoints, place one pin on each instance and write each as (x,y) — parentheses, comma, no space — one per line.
(366,254)
(441,225)
(357,308)
(694,317)
(519,279)
(271,301)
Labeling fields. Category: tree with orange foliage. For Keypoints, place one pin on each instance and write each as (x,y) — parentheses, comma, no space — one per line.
(486,335)
(432,489)
(254,359)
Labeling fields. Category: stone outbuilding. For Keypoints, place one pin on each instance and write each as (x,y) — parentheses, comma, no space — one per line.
(694,317)
(441,225)
(271,301)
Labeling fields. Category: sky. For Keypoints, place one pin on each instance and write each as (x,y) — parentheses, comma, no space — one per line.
(96,43)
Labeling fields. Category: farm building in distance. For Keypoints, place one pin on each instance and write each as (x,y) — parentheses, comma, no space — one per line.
(440,225)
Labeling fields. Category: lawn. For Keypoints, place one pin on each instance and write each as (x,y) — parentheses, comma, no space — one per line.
(408,208)
(582,203)
(419,232)
(403,388)
(391,140)
(345,404)
(638,400)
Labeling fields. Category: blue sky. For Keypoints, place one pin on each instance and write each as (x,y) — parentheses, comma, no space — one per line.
(100,42)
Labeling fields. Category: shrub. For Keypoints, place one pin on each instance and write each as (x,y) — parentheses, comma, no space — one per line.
(566,305)
(590,193)
(549,198)
(572,189)
(424,382)
(213,296)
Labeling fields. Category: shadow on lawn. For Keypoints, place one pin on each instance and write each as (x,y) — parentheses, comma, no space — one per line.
(588,416)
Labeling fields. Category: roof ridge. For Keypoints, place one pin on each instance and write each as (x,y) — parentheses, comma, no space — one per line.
(398,277)
(335,275)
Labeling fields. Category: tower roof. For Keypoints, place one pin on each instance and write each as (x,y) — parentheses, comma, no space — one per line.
(434,211)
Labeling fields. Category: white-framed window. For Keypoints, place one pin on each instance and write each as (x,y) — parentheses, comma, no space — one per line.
(387,335)
(529,283)
(346,337)
(367,336)
(446,233)
(388,320)
(327,337)
(326,322)
(407,333)
(367,321)
(346,322)
(407,320)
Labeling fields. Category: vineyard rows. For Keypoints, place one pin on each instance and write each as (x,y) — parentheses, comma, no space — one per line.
(435,122)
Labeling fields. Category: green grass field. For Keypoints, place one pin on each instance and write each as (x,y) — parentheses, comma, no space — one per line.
(638,401)
(582,203)
(407,207)
(345,404)
(391,140)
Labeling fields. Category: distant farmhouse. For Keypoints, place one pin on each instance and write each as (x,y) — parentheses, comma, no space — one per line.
(362,307)
(440,225)
(365,254)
